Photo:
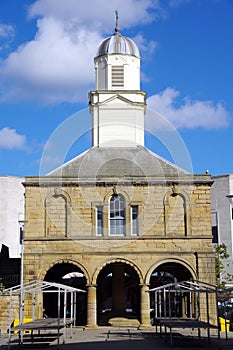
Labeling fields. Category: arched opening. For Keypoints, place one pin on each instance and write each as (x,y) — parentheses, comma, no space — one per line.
(71,275)
(178,304)
(118,293)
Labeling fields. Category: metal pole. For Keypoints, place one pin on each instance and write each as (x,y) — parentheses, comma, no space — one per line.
(216,304)
(65,313)
(160,304)
(10,322)
(75,308)
(72,306)
(164,303)
(58,315)
(199,313)
(71,312)
(190,305)
(208,315)
(33,306)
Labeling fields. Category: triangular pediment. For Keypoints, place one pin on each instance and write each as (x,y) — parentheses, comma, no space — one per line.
(117,98)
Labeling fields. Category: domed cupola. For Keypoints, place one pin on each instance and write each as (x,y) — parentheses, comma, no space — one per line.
(118,44)
(117,63)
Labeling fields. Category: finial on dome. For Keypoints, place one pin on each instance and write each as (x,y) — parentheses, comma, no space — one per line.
(117,29)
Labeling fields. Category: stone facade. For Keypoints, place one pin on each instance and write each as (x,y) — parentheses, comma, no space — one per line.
(174,227)
(5,306)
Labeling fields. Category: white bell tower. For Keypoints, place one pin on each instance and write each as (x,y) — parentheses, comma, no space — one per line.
(117,105)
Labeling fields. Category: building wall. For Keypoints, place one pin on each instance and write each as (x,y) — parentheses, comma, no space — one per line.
(47,244)
(11,211)
(222,208)
(6,315)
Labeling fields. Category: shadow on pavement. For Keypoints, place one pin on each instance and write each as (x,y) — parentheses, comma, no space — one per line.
(126,340)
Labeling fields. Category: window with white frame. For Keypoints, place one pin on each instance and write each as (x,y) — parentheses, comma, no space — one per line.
(214,215)
(99,220)
(134,220)
(117,215)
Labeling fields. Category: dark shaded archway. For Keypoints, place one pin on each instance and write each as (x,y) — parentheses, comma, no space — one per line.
(118,293)
(71,275)
(166,273)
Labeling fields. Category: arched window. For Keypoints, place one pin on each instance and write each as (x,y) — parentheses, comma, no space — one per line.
(117,215)
(176,219)
(56,211)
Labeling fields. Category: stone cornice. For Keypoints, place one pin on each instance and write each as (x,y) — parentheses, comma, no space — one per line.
(58,181)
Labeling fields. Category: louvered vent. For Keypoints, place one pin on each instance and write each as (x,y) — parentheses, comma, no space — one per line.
(117,76)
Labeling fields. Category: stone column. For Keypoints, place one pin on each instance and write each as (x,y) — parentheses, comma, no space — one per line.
(118,289)
(145,306)
(91,306)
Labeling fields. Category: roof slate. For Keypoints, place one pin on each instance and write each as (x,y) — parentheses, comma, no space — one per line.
(118,162)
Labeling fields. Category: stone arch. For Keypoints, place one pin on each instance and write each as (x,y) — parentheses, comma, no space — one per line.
(116,260)
(57,191)
(118,292)
(180,261)
(57,212)
(183,224)
(43,273)
(165,272)
(117,190)
(68,272)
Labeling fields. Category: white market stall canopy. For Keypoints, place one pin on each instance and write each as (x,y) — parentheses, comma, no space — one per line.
(32,288)
(179,305)
(37,286)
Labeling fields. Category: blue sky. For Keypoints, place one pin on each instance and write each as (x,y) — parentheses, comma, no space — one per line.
(46,70)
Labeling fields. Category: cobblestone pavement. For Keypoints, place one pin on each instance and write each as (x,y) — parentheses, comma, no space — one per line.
(110,338)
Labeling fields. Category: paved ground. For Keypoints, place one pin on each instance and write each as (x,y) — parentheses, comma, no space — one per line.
(110,338)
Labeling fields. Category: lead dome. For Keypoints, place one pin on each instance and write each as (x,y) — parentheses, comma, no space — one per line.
(118,44)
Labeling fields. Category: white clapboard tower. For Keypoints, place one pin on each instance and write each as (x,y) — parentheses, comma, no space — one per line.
(117,106)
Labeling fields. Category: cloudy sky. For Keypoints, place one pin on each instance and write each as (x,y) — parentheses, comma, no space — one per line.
(46,70)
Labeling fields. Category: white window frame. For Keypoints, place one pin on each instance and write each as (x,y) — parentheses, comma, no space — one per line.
(123,218)
(132,221)
(99,209)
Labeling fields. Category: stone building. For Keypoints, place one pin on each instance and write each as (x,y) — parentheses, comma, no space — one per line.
(117,219)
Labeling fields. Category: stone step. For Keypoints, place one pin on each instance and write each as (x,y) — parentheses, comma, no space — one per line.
(124,322)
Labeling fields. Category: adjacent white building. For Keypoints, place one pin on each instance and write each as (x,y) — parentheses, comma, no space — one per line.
(11,211)
(222,214)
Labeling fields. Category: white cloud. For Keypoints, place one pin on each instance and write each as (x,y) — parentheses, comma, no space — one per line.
(145,46)
(6,35)
(6,30)
(57,66)
(190,114)
(96,14)
(10,139)
(54,67)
